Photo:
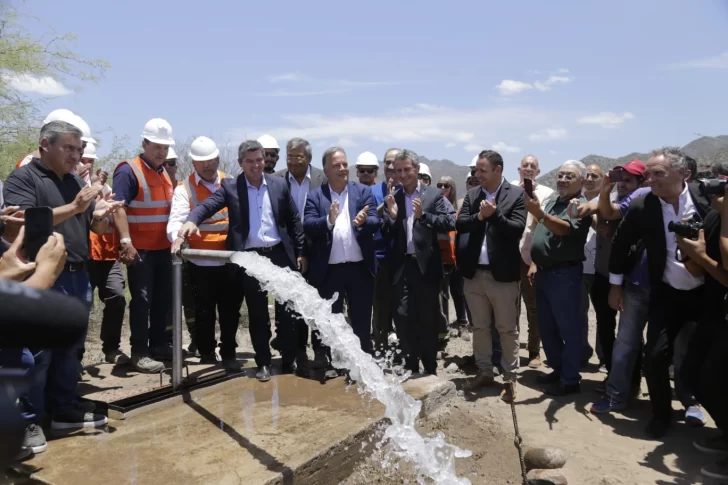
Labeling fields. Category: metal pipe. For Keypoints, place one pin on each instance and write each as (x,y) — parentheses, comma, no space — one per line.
(177,359)
(205,254)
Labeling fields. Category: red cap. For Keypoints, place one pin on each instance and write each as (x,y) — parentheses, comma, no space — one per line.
(635,167)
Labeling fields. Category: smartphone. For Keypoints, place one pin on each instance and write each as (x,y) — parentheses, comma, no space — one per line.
(528,187)
(38,228)
(616,175)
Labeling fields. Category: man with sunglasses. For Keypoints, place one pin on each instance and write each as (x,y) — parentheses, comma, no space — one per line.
(367,167)
(170,165)
(425,175)
(270,145)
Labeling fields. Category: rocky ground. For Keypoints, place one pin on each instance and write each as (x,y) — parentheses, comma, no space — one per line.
(599,450)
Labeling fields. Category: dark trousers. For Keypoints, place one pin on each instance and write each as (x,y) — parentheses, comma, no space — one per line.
(216,290)
(606,317)
(670,310)
(63,369)
(416,311)
(705,369)
(382,319)
(150,284)
(259,319)
(188,305)
(354,282)
(34,364)
(107,277)
(452,287)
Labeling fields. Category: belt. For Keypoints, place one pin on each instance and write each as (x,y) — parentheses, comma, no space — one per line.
(561,265)
(73,267)
(484,267)
(266,249)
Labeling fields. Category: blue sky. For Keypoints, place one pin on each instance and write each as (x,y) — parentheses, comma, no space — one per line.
(558,79)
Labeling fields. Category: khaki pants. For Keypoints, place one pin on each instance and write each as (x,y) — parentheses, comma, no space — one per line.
(487,298)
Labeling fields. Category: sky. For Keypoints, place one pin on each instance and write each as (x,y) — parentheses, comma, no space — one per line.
(559,79)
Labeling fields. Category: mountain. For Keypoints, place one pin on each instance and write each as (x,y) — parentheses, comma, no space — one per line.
(706,150)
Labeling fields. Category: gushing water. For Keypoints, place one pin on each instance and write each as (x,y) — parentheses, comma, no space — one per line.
(432,457)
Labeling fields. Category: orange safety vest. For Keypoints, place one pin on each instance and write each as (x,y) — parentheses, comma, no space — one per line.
(213,230)
(446,241)
(26,159)
(148,213)
(104,247)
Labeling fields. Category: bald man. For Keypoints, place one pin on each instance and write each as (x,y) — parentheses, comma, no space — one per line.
(529,170)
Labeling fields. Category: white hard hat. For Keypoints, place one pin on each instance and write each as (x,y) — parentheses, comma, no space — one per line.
(83,126)
(58,115)
(203,149)
(425,170)
(159,131)
(171,154)
(367,159)
(475,160)
(269,142)
(89,151)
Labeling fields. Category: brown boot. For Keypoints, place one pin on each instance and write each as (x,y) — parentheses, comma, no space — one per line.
(508,394)
(534,361)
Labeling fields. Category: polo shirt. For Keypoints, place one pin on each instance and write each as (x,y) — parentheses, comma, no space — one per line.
(35,185)
(549,250)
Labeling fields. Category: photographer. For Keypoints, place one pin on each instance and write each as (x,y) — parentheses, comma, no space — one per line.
(707,355)
(674,288)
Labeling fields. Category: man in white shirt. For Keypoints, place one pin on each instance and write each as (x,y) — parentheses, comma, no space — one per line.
(592,185)
(529,170)
(341,219)
(214,284)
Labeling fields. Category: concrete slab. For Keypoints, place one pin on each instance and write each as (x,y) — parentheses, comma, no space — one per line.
(238,431)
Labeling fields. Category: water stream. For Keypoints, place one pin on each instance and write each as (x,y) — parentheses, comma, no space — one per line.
(432,457)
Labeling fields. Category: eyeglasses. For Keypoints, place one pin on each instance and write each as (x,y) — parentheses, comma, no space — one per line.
(566,176)
(423,177)
(271,154)
(295,157)
(170,163)
(366,170)
(443,186)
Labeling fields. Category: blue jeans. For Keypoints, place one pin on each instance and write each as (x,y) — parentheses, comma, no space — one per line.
(558,301)
(32,401)
(150,285)
(63,369)
(628,345)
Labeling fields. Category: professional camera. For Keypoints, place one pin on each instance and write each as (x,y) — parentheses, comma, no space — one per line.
(686,229)
(712,187)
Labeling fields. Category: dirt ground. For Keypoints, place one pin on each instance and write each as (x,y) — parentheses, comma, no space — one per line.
(602,450)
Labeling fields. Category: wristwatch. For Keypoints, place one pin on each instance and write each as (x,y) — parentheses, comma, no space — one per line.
(543,218)
(125,240)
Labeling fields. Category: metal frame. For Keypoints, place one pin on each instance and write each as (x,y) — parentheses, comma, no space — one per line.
(177,258)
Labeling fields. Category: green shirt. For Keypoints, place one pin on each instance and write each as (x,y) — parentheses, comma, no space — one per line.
(549,250)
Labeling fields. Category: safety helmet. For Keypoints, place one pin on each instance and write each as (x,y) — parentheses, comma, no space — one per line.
(367,159)
(203,149)
(159,131)
(269,142)
(89,151)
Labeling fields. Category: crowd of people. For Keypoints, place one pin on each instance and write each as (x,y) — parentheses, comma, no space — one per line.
(645,242)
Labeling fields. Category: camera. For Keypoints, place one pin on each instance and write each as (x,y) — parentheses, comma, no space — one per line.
(712,187)
(687,229)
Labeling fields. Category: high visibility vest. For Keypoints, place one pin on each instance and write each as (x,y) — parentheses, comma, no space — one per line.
(26,160)
(446,241)
(148,213)
(104,247)
(213,230)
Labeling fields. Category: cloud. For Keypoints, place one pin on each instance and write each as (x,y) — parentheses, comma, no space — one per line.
(715,62)
(281,93)
(553,152)
(509,87)
(472,147)
(27,83)
(414,124)
(347,142)
(503,147)
(549,134)
(606,119)
(288,76)
(563,70)
(450,145)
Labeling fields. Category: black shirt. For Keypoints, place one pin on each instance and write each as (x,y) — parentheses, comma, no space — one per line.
(714,292)
(34,185)
(549,250)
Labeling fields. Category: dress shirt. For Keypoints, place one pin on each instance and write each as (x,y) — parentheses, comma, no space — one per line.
(299,192)
(410,220)
(590,248)
(181,209)
(263,230)
(542,193)
(344,246)
(484,248)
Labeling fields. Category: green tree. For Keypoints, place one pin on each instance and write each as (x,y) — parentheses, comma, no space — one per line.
(122,148)
(38,55)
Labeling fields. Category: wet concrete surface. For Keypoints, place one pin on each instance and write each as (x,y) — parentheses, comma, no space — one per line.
(289,430)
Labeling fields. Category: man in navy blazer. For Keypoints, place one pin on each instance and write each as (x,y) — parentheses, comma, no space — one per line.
(340,219)
(263,218)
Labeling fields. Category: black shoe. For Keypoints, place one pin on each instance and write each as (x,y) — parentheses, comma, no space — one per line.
(289,368)
(558,389)
(657,428)
(549,378)
(263,374)
(208,359)
(274,344)
(320,360)
(231,366)
(331,373)
(192,350)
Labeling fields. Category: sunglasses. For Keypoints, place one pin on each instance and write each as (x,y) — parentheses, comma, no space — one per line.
(443,186)
(271,154)
(170,164)
(566,176)
(366,170)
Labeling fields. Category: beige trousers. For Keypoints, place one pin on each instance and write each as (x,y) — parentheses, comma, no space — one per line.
(487,298)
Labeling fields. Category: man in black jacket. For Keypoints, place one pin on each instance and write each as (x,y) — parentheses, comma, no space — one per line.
(415,214)
(490,224)
(674,289)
